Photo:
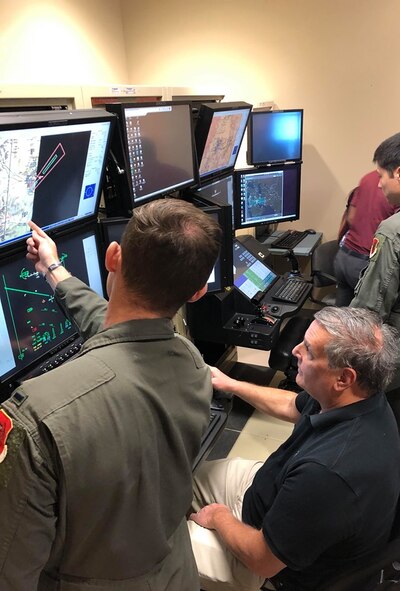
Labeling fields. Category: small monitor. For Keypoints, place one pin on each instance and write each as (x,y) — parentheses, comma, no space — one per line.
(111,229)
(32,325)
(267,195)
(219,132)
(51,169)
(222,274)
(219,191)
(251,276)
(275,136)
(157,147)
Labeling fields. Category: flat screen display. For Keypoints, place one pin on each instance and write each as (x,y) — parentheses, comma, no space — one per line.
(51,169)
(219,133)
(275,136)
(250,275)
(267,195)
(32,325)
(220,191)
(159,147)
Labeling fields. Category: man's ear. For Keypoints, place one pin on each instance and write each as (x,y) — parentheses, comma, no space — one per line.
(113,257)
(199,294)
(396,173)
(347,378)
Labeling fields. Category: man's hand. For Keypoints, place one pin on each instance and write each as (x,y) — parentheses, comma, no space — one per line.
(206,516)
(41,249)
(221,381)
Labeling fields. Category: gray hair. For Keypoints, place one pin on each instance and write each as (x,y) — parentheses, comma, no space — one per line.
(360,340)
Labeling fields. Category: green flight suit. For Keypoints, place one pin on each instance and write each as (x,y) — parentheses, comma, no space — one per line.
(96,482)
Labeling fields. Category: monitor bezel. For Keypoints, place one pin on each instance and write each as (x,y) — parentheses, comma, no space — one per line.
(119,110)
(204,120)
(250,137)
(239,173)
(19,120)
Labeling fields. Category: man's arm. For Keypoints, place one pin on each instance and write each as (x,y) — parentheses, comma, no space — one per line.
(246,543)
(378,289)
(28,512)
(272,401)
(81,304)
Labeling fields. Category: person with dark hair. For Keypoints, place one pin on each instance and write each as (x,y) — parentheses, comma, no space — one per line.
(379,286)
(96,455)
(325,501)
(366,207)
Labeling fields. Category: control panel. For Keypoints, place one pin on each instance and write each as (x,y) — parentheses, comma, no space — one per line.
(249,330)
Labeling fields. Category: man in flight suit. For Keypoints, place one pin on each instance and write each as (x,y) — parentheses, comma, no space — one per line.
(96,455)
(379,286)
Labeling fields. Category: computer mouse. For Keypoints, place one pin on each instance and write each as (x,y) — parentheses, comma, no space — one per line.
(311,231)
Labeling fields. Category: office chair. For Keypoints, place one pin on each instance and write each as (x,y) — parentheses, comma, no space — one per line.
(323,273)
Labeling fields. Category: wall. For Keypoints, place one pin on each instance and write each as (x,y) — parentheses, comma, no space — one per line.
(334,59)
(64,42)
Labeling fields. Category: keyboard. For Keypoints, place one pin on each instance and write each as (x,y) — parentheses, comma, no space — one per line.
(289,239)
(291,291)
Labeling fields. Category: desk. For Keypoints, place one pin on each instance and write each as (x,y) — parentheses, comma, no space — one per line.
(305,248)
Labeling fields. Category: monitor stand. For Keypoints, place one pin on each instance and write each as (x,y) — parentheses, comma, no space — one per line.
(263,232)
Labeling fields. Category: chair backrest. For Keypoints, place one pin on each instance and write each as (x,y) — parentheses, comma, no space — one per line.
(322,268)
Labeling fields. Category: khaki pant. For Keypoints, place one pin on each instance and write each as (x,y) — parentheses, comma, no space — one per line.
(221,481)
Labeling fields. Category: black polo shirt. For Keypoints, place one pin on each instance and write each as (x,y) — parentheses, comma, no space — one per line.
(327,496)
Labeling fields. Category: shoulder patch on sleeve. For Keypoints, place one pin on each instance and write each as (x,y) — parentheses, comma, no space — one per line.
(11,438)
(376,245)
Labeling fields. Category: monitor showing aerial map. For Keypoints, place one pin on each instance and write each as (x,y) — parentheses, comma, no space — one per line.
(219,132)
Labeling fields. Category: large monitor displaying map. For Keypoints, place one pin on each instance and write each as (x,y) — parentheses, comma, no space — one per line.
(267,195)
(51,169)
(219,133)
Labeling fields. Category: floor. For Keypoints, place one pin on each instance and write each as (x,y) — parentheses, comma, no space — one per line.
(249,433)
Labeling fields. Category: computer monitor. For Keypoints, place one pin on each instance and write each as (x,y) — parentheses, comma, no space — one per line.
(32,325)
(219,132)
(251,276)
(267,195)
(219,191)
(157,147)
(275,136)
(111,229)
(222,274)
(51,169)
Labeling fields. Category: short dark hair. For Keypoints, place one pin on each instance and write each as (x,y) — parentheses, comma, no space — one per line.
(387,154)
(362,341)
(169,249)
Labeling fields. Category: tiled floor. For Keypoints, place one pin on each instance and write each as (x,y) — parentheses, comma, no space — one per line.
(249,433)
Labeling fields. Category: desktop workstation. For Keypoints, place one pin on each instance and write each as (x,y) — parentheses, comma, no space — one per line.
(135,153)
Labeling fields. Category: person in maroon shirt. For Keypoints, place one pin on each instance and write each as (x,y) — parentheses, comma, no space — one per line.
(366,207)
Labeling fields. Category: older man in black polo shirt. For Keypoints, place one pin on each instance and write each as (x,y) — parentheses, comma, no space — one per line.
(327,497)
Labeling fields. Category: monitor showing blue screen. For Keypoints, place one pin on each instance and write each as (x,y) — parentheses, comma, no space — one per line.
(51,169)
(275,136)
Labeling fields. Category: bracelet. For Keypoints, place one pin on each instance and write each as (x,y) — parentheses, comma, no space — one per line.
(54,266)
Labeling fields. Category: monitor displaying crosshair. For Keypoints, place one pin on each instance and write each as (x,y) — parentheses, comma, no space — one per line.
(219,132)
(158,142)
(32,325)
(51,168)
(267,195)
(275,136)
